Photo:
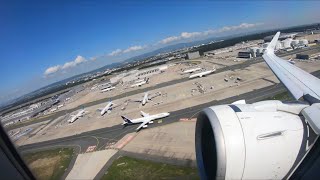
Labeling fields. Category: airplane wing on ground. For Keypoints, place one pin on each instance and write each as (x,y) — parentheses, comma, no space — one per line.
(297,81)
(116,105)
(154,95)
(142,124)
(99,109)
(136,100)
(144,114)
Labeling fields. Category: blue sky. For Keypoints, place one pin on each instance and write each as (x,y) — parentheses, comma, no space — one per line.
(76,36)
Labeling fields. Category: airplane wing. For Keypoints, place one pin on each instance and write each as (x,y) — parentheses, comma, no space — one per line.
(144,114)
(297,81)
(154,95)
(116,105)
(135,100)
(142,124)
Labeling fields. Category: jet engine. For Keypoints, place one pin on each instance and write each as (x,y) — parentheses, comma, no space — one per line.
(145,126)
(264,140)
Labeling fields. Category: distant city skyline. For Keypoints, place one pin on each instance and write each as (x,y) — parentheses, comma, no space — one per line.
(44,42)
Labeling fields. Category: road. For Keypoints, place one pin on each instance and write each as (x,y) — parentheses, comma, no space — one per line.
(243,65)
(101,137)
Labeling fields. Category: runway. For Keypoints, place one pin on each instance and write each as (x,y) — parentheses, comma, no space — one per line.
(161,85)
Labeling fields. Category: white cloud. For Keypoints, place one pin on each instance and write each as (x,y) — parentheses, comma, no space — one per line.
(67,65)
(115,52)
(188,35)
(169,39)
(78,60)
(133,48)
(128,50)
(52,69)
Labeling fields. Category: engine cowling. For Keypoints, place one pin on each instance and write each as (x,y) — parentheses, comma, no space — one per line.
(264,140)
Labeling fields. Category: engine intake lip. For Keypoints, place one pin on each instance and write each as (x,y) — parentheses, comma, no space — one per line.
(210,146)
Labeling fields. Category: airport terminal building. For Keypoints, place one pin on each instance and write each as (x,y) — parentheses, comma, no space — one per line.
(131,76)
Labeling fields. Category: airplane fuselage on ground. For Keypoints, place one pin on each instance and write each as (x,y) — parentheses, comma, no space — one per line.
(107,108)
(192,70)
(75,117)
(147,119)
(201,74)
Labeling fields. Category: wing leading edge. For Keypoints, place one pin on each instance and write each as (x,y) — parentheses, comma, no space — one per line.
(297,81)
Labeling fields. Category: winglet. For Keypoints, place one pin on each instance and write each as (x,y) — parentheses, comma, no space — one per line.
(273,43)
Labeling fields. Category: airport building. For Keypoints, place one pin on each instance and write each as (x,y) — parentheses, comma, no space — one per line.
(119,77)
(244,54)
(193,55)
(131,76)
(302,56)
(144,73)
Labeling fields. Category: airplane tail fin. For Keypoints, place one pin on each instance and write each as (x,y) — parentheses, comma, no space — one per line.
(126,120)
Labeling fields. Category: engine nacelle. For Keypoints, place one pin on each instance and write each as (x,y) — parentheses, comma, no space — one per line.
(145,126)
(151,122)
(264,140)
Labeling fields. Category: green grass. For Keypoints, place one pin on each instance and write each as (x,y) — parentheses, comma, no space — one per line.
(285,96)
(49,164)
(131,168)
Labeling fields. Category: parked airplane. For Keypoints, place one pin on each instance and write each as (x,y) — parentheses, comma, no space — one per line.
(201,74)
(140,83)
(77,116)
(145,120)
(107,108)
(191,70)
(291,61)
(146,98)
(108,89)
(264,140)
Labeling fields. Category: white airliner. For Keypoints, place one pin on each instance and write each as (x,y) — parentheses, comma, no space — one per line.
(267,139)
(202,74)
(77,116)
(145,120)
(107,108)
(191,70)
(108,89)
(146,98)
(140,83)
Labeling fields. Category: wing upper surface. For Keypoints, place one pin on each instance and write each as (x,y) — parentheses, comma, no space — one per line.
(296,80)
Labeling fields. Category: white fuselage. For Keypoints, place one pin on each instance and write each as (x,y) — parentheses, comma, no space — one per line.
(150,118)
(192,70)
(139,84)
(75,117)
(107,108)
(145,99)
(201,74)
(107,89)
